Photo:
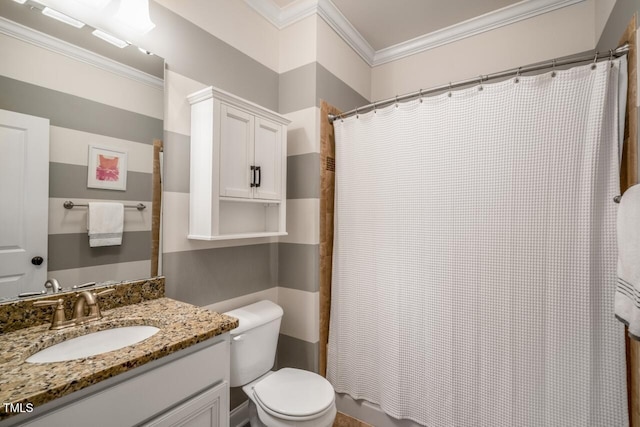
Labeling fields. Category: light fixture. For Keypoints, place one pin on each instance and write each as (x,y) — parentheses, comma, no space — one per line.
(145,51)
(20,1)
(110,39)
(51,13)
(94,4)
(135,14)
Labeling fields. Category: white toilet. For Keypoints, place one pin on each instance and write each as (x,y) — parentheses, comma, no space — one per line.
(284,398)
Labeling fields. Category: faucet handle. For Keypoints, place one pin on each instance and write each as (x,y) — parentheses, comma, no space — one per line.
(84,285)
(45,303)
(105,292)
(58,320)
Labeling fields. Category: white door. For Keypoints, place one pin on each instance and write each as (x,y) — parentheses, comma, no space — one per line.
(268,158)
(236,153)
(24,191)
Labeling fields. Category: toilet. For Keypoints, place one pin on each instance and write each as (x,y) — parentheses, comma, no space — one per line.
(284,398)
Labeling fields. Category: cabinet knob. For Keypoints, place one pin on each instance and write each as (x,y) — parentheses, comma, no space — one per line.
(37,260)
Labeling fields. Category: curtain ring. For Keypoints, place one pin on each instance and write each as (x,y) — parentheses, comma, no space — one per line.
(357,115)
(553,66)
(341,118)
(517,79)
(420,96)
(595,59)
(450,90)
(611,57)
(375,108)
(396,101)
(480,83)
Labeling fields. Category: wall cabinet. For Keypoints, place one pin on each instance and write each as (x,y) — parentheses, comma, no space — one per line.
(238,168)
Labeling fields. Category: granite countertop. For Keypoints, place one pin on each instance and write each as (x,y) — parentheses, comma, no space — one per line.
(181,325)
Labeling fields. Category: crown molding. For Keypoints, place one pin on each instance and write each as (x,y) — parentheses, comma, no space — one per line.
(251,107)
(62,47)
(483,23)
(282,18)
(328,11)
(343,27)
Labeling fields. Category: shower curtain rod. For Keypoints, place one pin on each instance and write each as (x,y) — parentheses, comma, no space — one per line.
(566,60)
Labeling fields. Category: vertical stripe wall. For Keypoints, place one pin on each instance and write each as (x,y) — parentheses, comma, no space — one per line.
(86,106)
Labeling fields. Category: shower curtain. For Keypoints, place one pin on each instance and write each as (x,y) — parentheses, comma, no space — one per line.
(475,255)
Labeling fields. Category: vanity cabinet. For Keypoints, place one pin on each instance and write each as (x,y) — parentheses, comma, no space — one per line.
(238,168)
(186,388)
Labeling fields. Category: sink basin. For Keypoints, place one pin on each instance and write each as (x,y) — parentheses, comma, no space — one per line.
(93,343)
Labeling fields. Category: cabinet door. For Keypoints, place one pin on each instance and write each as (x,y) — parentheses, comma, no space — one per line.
(208,409)
(236,152)
(268,157)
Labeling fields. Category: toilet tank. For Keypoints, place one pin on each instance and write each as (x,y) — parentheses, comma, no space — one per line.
(254,341)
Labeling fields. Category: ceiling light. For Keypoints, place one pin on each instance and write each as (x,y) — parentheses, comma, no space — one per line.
(135,14)
(20,1)
(110,39)
(62,17)
(95,4)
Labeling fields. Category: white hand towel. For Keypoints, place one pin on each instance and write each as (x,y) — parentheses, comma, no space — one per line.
(627,301)
(105,223)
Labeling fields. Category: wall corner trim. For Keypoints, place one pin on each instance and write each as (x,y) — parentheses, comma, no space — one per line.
(37,38)
(301,9)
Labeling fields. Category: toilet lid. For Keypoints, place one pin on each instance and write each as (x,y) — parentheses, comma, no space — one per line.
(295,393)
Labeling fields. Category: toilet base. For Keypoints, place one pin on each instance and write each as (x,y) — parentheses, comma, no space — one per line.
(257,415)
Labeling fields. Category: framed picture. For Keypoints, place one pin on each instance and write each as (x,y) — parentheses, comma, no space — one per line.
(107,169)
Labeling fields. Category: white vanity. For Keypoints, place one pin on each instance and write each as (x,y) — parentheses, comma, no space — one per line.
(177,376)
(187,388)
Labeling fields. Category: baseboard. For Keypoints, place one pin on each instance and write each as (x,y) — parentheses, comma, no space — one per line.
(240,415)
(368,413)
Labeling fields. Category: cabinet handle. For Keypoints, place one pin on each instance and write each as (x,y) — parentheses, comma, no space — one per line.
(259,176)
(253,176)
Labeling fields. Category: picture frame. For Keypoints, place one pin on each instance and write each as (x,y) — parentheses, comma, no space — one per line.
(107,169)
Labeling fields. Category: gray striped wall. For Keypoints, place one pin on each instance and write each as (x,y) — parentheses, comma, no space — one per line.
(199,275)
(208,276)
(69,181)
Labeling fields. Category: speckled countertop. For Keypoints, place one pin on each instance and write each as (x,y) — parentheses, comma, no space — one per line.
(181,325)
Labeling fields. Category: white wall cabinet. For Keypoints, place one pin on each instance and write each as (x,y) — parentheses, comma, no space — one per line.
(238,168)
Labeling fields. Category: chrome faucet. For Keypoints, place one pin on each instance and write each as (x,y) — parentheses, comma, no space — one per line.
(53,285)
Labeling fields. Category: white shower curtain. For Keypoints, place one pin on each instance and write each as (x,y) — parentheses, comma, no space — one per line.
(475,255)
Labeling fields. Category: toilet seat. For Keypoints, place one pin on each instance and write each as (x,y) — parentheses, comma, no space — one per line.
(294,394)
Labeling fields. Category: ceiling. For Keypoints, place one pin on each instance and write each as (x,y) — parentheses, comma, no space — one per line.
(381,31)
(384,23)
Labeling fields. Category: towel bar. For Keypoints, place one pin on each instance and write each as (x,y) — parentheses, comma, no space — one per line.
(70,205)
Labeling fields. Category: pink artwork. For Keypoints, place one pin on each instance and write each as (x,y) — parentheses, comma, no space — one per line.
(107,169)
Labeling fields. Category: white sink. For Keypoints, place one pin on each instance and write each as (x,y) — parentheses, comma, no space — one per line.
(93,343)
